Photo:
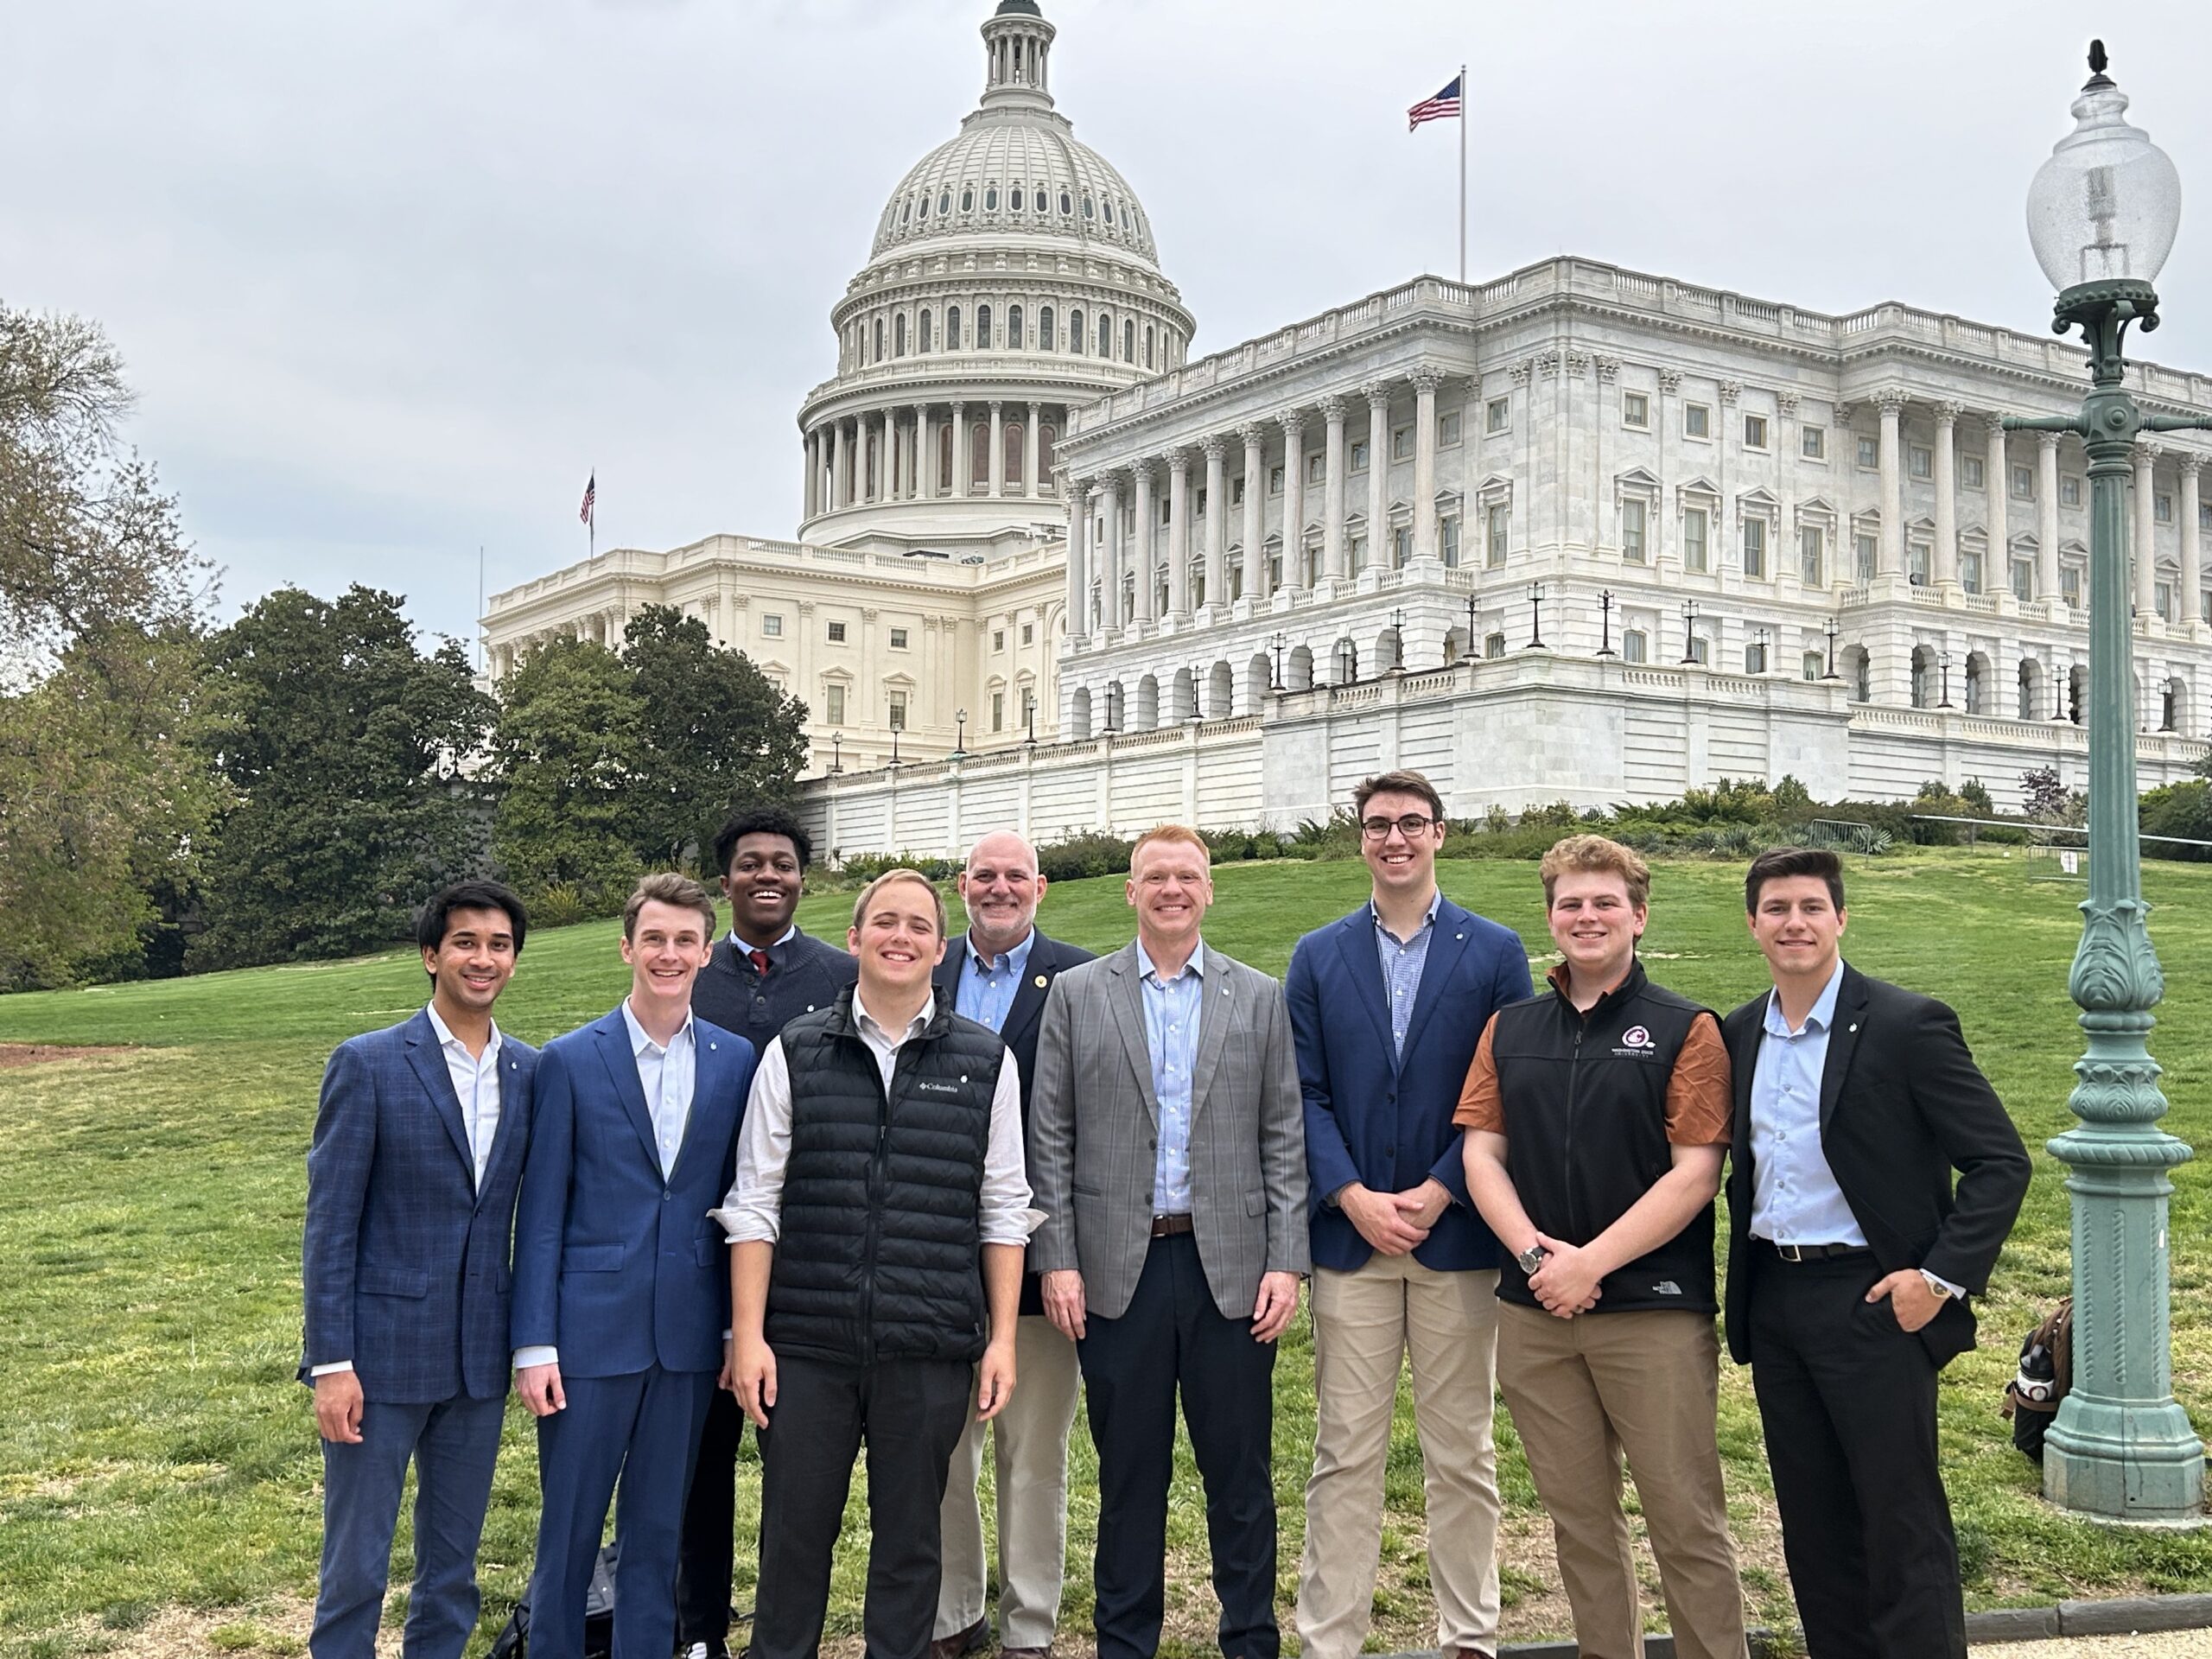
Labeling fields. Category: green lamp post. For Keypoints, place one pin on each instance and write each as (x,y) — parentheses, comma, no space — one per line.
(2102,215)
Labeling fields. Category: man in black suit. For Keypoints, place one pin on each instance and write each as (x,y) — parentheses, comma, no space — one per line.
(765,974)
(998,973)
(1850,1260)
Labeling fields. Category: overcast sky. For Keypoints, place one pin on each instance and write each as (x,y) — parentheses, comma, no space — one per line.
(392,278)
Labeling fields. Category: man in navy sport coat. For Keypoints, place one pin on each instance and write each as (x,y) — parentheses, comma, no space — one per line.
(1386,1007)
(418,1142)
(621,1288)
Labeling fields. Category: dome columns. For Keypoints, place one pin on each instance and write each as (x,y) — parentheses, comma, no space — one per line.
(1147,565)
(1215,448)
(1178,532)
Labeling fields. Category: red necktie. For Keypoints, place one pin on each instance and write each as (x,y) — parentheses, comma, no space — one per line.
(759,962)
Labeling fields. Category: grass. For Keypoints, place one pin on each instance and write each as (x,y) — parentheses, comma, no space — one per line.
(157,1459)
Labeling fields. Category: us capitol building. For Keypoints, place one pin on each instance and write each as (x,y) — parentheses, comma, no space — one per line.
(1578,533)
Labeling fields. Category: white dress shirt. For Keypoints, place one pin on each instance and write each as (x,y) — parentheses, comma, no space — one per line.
(476,1083)
(753,1211)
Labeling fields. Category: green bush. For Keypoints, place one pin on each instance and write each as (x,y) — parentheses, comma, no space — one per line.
(2184,809)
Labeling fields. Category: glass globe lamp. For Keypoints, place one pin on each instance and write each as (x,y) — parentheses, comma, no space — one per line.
(2106,207)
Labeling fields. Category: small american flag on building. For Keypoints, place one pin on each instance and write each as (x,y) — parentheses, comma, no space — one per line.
(1444,106)
(591,496)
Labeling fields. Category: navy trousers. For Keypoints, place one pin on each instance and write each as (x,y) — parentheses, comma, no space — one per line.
(453,1445)
(1172,1335)
(641,1431)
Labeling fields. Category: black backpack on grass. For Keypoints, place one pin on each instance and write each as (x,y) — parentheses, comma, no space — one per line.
(2046,1376)
(513,1639)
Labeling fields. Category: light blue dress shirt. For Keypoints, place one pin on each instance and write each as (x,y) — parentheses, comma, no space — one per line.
(668,1076)
(1172,1007)
(985,991)
(1794,1197)
(1403,961)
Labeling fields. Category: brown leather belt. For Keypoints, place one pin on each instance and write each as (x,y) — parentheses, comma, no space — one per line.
(1169,1226)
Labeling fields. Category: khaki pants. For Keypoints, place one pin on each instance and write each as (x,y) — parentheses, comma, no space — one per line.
(1030,1459)
(1582,1392)
(1363,1323)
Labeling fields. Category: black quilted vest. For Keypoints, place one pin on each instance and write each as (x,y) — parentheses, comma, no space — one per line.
(880,1256)
(1585,1098)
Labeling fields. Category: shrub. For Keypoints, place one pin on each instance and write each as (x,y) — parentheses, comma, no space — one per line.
(2184,809)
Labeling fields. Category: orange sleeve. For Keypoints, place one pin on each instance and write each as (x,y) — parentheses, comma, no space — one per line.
(1700,1101)
(1480,1106)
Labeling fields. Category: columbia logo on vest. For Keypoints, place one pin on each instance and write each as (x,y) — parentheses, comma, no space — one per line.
(929,1087)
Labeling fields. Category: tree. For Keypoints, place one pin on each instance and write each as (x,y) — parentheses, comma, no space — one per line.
(568,752)
(345,745)
(715,731)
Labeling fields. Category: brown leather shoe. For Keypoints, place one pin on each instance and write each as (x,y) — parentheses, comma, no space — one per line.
(974,1639)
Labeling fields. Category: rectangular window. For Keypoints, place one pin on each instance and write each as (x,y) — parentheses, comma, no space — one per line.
(2162,600)
(2023,483)
(1632,532)
(2023,580)
(2069,491)
(2204,515)
(895,710)
(1864,549)
(1498,415)
(2070,585)
(1493,644)
(1636,646)
(1500,519)
(998,711)
(1275,480)
(1754,549)
(833,704)
(1701,649)
(1755,658)
(1694,556)
(2162,508)
(1869,455)
(1921,460)
(1236,491)
(1636,411)
(2204,606)
(1809,555)
(1916,560)
(1813,442)
(1447,429)
(1970,571)
(1359,457)
(1402,443)
(898,639)
(1810,664)
(1970,472)
(1029,633)
(1697,421)
(1316,468)
(1754,431)
(1449,531)
(772,627)
(836,633)
(1401,548)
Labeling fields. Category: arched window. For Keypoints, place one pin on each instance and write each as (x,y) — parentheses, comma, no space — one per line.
(906,214)
(944,456)
(1048,441)
(952,329)
(982,327)
(878,340)
(1075,332)
(1014,328)
(1067,203)
(1015,200)
(1087,210)
(899,335)
(1923,668)
(1148,344)
(1014,438)
(1128,342)
(925,331)
(1047,340)
(979,457)
(945,201)
(1105,335)
(990,198)
(1110,212)
(967,198)
(925,205)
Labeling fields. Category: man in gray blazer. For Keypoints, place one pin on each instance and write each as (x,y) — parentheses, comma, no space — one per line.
(1168,1155)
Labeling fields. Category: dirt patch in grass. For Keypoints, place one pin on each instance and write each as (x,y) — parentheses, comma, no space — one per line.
(274,1629)
(15,1054)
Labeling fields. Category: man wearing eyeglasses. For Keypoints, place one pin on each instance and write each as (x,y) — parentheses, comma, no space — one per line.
(1386,1007)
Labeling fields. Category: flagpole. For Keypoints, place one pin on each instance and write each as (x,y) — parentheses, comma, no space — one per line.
(1462,174)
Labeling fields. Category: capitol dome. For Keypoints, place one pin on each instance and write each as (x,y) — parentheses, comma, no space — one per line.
(1014,276)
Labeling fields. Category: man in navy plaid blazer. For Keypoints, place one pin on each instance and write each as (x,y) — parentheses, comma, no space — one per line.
(411,1176)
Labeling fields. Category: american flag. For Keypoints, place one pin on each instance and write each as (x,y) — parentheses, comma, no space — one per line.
(591,495)
(1444,106)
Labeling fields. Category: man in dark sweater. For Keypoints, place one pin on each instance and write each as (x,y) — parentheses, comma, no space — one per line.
(763,975)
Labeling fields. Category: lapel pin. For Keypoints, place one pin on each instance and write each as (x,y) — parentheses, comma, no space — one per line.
(715,1047)
(1459,936)
(1041,982)
(1848,1032)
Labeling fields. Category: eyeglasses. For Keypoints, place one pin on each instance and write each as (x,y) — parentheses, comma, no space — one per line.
(1412,824)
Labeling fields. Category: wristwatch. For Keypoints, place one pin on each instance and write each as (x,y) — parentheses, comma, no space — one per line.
(1943,1292)
(1532,1258)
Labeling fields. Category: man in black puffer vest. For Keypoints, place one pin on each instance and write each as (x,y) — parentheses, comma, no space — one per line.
(878,1219)
(1597,1121)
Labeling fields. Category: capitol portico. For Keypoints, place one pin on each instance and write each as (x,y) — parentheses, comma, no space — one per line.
(1579,532)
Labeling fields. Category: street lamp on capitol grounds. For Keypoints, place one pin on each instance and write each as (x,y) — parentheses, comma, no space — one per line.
(2102,216)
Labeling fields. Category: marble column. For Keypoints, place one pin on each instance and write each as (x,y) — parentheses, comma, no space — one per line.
(2191,602)
(1178,532)
(1109,593)
(1891,404)
(1256,503)
(883,460)
(837,498)
(2146,529)
(1294,499)
(1378,475)
(813,472)
(924,454)
(1033,485)
(998,451)
(1997,481)
(960,462)
(1425,384)
(1946,572)
(1143,559)
(2046,516)
(1334,564)
(1216,450)
(1077,494)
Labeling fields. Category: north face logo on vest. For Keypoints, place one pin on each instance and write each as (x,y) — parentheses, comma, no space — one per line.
(1636,1044)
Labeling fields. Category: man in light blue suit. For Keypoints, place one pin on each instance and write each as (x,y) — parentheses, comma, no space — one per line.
(1386,1007)
(418,1143)
(621,1291)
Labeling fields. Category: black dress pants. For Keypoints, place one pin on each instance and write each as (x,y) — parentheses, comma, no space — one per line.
(1848,1399)
(911,1414)
(707,1550)
(1172,1334)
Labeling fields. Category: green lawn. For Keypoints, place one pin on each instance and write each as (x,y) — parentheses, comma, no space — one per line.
(155,1454)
